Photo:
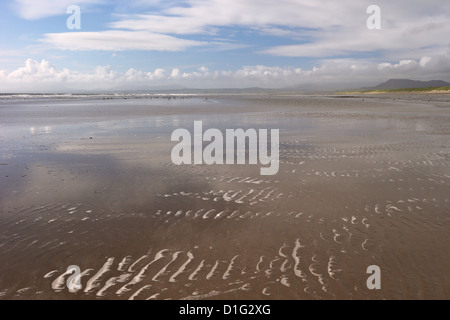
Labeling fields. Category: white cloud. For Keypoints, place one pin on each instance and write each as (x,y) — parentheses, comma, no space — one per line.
(175,74)
(116,40)
(199,16)
(37,9)
(327,28)
(42,76)
(408,39)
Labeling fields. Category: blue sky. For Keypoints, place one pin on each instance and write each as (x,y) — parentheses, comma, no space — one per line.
(219,43)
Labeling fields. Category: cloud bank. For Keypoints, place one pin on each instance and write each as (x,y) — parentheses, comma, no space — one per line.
(334,73)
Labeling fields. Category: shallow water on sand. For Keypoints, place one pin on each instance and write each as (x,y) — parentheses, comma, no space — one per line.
(90,182)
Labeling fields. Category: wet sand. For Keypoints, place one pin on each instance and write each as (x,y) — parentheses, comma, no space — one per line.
(89,182)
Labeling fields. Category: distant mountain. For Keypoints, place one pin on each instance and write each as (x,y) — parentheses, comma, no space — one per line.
(407,83)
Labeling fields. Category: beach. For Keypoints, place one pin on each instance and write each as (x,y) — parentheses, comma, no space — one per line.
(88,181)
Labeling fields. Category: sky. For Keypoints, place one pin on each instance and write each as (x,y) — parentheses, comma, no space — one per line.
(145,44)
